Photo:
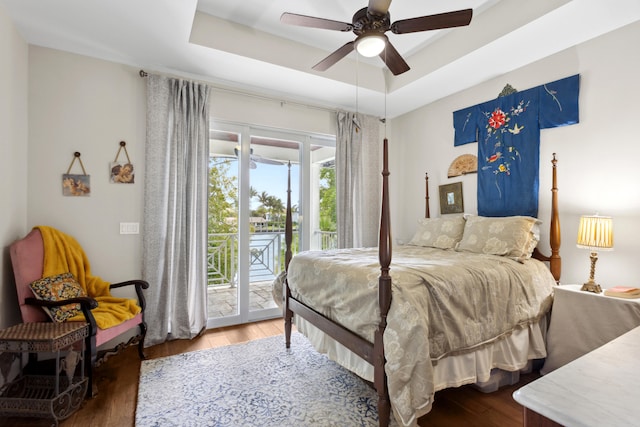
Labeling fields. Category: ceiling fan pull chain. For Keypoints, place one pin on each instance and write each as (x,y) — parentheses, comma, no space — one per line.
(355,119)
(384,120)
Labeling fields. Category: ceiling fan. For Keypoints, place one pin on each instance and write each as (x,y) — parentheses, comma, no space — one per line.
(254,158)
(369,25)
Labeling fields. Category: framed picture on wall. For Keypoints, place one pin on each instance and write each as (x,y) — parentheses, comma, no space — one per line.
(121,173)
(76,185)
(451,198)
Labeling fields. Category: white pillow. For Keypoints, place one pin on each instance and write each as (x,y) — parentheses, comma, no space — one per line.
(442,233)
(514,236)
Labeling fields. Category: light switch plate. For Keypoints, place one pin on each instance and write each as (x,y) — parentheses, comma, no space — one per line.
(129,228)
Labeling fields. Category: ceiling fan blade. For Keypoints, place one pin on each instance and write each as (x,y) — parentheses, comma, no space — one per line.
(336,56)
(379,7)
(313,22)
(266,161)
(394,60)
(439,21)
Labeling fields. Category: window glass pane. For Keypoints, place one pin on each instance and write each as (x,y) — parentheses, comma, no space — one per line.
(270,159)
(323,201)
(222,249)
(247,213)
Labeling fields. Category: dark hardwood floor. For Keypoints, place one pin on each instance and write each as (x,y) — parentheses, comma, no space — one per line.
(117,382)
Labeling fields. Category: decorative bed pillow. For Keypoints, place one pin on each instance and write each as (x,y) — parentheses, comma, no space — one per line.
(57,288)
(514,236)
(442,233)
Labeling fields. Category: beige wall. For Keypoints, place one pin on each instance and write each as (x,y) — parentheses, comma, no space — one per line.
(87,105)
(597,158)
(14,154)
(232,107)
(83,104)
(77,103)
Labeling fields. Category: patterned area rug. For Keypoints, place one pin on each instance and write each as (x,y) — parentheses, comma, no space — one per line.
(260,383)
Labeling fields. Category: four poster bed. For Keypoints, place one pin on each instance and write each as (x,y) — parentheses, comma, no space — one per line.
(446,313)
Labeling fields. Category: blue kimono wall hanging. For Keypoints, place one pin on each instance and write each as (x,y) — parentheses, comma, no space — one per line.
(507,130)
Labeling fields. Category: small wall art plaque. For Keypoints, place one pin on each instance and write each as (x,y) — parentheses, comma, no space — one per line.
(451,198)
(121,172)
(74,185)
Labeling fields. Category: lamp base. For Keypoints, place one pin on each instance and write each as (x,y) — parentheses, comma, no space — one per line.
(591,286)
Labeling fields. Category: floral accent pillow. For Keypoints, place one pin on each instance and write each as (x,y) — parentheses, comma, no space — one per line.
(57,288)
(442,233)
(514,237)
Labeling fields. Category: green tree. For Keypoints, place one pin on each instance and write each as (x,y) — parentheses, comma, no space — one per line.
(221,220)
(328,199)
(270,205)
(263,198)
(276,207)
(223,198)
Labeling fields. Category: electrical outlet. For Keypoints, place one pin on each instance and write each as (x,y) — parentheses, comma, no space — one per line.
(129,228)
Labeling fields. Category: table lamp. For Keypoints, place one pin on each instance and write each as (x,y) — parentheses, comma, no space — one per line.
(594,233)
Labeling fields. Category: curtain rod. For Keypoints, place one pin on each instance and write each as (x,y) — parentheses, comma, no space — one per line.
(143,73)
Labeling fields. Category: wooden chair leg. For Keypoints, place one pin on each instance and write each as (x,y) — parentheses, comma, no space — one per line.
(90,355)
(143,334)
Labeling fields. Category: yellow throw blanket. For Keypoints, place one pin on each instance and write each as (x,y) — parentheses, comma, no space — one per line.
(62,253)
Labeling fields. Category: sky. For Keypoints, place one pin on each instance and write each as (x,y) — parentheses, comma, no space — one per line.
(273,180)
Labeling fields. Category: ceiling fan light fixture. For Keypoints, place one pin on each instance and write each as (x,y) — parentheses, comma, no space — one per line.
(371,44)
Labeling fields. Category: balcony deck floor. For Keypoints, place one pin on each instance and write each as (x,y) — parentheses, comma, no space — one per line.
(222,301)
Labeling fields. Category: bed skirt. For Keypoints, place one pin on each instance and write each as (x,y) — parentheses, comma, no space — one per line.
(485,367)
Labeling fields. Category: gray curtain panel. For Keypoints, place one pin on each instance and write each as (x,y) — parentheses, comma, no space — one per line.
(175,208)
(359,179)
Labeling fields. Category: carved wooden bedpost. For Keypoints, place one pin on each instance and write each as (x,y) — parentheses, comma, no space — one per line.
(384,297)
(554,240)
(427,214)
(555,262)
(288,238)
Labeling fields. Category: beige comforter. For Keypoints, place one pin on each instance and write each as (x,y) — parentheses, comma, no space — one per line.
(444,303)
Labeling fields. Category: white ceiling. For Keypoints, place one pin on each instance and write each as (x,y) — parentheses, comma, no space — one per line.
(242,44)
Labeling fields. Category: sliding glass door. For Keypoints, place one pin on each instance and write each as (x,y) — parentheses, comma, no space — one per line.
(248,173)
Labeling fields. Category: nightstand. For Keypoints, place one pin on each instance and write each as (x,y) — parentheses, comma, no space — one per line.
(583,321)
(597,389)
(56,395)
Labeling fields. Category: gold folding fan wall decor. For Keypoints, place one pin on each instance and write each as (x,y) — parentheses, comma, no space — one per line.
(462,165)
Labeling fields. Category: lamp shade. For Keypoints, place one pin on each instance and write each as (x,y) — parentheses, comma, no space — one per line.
(595,232)
(371,44)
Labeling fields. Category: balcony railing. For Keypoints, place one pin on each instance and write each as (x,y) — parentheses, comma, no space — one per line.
(328,239)
(266,260)
(221,259)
